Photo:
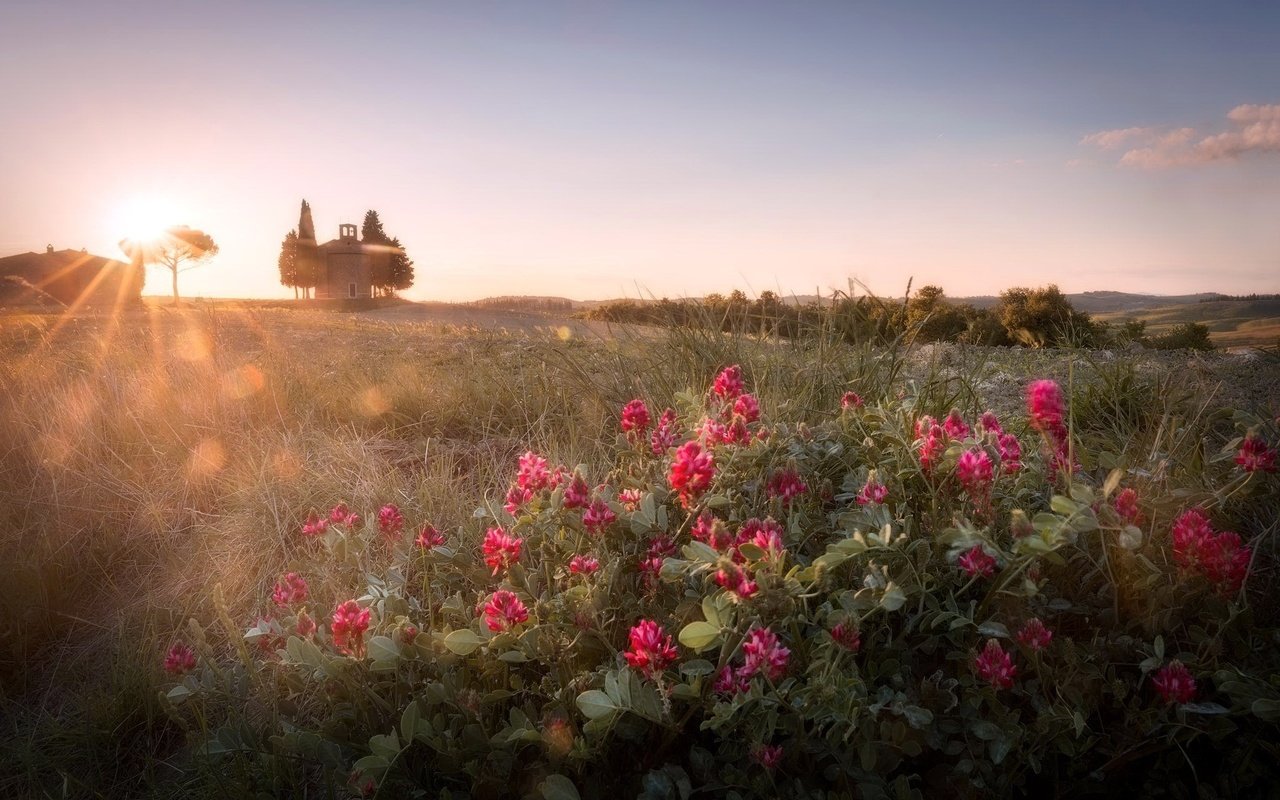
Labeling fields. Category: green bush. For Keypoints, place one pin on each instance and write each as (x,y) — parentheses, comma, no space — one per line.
(868,603)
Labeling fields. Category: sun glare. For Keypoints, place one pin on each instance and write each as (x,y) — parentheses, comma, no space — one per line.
(143,218)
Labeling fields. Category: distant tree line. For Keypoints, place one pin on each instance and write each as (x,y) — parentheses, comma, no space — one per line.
(1239,297)
(1030,317)
(518,303)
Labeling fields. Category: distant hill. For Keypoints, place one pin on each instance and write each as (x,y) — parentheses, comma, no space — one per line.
(76,277)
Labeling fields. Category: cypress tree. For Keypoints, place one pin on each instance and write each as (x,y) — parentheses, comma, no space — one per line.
(288,262)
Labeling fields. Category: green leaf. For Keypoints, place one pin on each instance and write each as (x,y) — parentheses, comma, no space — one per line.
(409,721)
(383,648)
(1204,708)
(699,551)
(1064,505)
(993,628)
(558,787)
(595,704)
(893,598)
(463,641)
(698,636)
(1266,708)
(513,657)
(1131,537)
(696,667)
(386,745)
(178,694)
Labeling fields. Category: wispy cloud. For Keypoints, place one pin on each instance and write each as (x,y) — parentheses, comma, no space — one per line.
(1250,128)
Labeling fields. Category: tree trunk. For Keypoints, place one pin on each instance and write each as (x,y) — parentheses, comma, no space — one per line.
(175,286)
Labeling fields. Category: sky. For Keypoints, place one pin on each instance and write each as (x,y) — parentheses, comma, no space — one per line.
(595,149)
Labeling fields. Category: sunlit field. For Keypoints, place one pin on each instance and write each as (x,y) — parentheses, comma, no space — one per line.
(827,592)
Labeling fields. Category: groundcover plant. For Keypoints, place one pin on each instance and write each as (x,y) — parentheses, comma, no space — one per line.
(871,602)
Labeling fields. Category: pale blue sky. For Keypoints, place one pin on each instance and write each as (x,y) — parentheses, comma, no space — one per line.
(598,149)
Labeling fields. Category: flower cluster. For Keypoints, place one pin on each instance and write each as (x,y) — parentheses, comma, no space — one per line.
(635,420)
(665,434)
(850,400)
(180,658)
(291,588)
(341,515)
(651,648)
(1174,683)
(428,538)
(390,521)
(314,526)
(1221,558)
(504,611)
(598,517)
(975,473)
(976,563)
(785,484)
(1255,456)
(350,621)
(1035,635)
(762,653)
(1047,413)
(584,565)
(995,666)
(691,473)
(1126,505)
(847,636)
(873,492)
(501,549)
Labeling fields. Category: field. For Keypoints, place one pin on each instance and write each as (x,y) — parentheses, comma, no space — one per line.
(1231,323)
(158,465)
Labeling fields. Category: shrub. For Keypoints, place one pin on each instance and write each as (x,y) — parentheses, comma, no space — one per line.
(870,603)
(1187,336)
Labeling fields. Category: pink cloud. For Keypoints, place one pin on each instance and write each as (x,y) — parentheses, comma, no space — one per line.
(1251,128)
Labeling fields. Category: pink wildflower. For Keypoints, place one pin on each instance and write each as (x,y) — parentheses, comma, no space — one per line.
(1127,507)
(769,539)
(1174,683)
(390,520)
(1045,406)
(737,581)
(651,648)
(500,549)
(292,588)
(786,484)
(533,473)
(630,498)
(767,755)
(932,444)
(635,419)
(180,658)
(428,538)
(847,636)
(955,427)
(650,572)
(341,515)
(974,471)
(315,525)
(691,472)
(583,565)
(1225,562)
(977,563)
(762,653)
(306,626)
(665,434)
(350,621)
(598,517)
(712,531)
(747,407)
(1010,453)
(408,633)
(516,497)
(873,492)
(1035,635)
(1191,533)
(728,384)
(989,423)
(504,611)
(1255,456)
(995,666)
(850,400)
(577,494)
(729,681)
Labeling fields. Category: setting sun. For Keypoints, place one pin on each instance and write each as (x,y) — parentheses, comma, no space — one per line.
(143,218)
